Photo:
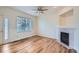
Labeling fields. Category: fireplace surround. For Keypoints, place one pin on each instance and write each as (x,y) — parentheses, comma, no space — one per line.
(66,36)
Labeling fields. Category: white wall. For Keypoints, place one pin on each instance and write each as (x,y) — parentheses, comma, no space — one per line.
(12,14)
(48,24)
(76,23)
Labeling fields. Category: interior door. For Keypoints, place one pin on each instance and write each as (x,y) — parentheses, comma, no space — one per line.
(1,29)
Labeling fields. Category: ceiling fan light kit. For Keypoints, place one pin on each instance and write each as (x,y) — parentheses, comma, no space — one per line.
(41,9)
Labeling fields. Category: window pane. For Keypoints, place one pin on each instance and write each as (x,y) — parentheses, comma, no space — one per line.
(6,28)
(23,24)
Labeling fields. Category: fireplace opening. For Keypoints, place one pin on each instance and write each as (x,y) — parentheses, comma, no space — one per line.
(64,37)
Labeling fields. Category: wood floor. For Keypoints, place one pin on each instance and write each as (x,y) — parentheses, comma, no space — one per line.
(35,44)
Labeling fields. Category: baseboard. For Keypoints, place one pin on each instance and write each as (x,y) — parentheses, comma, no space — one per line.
(19,40)
(48,36)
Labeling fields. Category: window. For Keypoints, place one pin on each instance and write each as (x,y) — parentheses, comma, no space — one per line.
(5,28)
(24,24)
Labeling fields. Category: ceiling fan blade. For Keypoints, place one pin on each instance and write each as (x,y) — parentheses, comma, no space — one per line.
(44,9)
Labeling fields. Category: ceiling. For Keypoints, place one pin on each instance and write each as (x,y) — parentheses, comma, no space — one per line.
(31,9)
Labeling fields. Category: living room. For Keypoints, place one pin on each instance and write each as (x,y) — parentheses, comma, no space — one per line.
(54,22)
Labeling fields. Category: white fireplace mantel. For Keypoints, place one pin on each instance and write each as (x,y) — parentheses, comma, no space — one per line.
(71,35)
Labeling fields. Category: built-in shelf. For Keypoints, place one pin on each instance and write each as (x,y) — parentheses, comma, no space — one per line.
(66,19)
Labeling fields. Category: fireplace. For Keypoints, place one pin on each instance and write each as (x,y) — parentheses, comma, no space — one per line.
(64,38)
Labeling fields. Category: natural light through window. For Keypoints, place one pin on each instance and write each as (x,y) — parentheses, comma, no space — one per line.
(6,28)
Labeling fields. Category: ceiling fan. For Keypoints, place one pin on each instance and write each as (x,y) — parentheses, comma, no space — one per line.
(40,9)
